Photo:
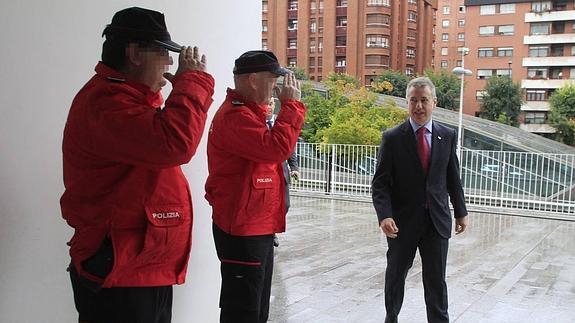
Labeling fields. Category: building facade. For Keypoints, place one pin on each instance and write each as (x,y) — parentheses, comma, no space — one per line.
(449,34)
(533,41)
(361,38)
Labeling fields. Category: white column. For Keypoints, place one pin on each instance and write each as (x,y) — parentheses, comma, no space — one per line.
(49,51)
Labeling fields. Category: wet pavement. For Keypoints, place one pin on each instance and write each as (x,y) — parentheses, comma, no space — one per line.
(331,261)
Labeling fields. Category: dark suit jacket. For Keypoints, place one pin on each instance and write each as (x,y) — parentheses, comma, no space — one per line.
(289,166)
(400,187)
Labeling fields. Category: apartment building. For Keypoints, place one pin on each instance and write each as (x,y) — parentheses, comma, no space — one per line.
(361,38)
(449,34)
(533,41)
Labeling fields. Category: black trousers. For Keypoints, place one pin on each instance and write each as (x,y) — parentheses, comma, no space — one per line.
(121,304)
(401,252)
(246,268)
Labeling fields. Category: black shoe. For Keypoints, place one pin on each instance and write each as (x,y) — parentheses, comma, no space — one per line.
(276,241)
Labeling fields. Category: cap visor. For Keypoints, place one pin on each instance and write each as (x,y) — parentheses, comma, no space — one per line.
(169,45)
(280,71)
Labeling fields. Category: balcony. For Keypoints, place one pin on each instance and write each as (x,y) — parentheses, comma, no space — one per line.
(341,11)
(340,69)
(340,50)
(292,33)
(544,84)
(549,39)
(291,52)
(341,30)
(292,14)
(535,106)
(548,61)
(537,128)
(550,16)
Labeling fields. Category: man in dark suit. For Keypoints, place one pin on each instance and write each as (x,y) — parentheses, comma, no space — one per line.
(290,166)
(417,170)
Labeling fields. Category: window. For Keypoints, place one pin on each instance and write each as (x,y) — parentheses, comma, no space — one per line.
(320,62)
(378,3)
(538,51)
(312,26)
(292,43)
(539,29)
(409,70)
(461,23)
(264,44)
(505,51)
(378,41)
(292,5)
(312,45)
(487,9)
(312,6)
(507,8)
(292,24)
(444,64)
(412,1)
(461,37)
(573,48)
(486,30)
(320,45)
(341,21)
(535,117)
(264,6)
(376,60)
(410,52)
(312,62)
(506,30)
(377,19)
(411,34)
(341,3)
(484,74)
(503,72)
(445,23)
(445,37)
(485,52)
(537,73)
(320,6)
(461,9)
(479,95)
(264,26)
(292,61)
(320,24)
(341,41)
(541,6)
(557,50)
(535,95)
(340,61)
(572,73)
(444,51)
(411,16)
(446,10)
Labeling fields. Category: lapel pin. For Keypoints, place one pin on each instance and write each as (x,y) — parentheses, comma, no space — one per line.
(439,137)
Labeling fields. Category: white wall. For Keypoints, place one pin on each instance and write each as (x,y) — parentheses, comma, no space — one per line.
(49,50)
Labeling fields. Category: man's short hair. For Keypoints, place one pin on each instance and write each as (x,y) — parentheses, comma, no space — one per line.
(418,82)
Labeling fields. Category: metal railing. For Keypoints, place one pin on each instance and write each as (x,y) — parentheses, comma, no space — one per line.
(544,183)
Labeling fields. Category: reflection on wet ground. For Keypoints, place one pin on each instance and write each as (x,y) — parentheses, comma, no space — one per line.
(330,268)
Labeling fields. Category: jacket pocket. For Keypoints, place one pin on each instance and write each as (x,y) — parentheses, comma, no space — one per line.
(263,199)
(167,233)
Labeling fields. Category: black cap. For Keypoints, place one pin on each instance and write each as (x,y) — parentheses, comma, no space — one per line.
(258,61)
(139,24)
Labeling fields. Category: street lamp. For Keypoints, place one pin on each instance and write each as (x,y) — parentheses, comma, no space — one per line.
(461,71)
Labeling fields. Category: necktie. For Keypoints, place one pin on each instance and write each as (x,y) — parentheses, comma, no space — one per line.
(423,148)
(270,124)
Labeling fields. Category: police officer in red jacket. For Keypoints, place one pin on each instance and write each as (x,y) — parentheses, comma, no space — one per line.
(246,187)
(126,196)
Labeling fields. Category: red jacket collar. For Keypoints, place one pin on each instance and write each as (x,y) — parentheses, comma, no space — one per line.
(233,95)
(154,99)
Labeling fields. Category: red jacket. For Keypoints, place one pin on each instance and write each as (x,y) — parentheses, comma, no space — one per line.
(246,188)
(122,175)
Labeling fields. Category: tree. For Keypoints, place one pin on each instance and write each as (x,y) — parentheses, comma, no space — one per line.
(299,73)
(360,122)
(447,86)
(502,100)
(562,114)
(346,79)
(398,81)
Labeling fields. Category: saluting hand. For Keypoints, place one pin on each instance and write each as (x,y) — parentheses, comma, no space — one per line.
(290,89)
(188,60)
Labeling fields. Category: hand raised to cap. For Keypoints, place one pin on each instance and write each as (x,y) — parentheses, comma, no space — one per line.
(188,60)
(290,89)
